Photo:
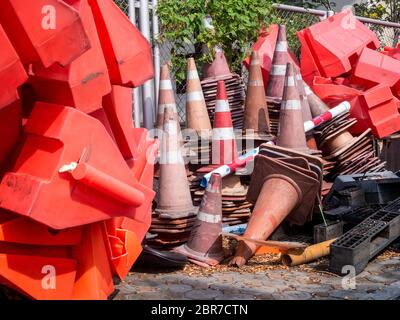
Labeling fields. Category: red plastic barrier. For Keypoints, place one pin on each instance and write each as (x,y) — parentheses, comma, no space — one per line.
(56,136)
(10,130)
(94,276)
(128,53)
(12,72)
(336,43)
(44,31)
(84,82)
(332,93)
(39,277)
(392,52)
(374,68)
(376,109)
(309,68)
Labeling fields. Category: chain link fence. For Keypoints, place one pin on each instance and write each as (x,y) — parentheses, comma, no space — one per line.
(292,17)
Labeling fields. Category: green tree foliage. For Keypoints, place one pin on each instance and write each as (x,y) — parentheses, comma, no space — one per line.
(236,23)
(388,10)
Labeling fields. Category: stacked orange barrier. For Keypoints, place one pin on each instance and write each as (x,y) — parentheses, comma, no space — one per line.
(76,176)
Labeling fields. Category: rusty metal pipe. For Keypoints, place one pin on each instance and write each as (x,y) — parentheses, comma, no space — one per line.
(295,257)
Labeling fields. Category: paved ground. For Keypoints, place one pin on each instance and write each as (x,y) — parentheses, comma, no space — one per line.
(264,280)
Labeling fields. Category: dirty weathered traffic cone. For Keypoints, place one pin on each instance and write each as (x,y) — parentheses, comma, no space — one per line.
(291,125)
(256,118)
(305,109)
(278,68)
(219,67)
(224,150)
(317,106)
(166,96)
(277,190)
(174,199)
(205,243)
(196,110)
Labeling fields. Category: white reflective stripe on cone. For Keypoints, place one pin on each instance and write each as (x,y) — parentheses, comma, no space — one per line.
(256,83)
(278,70)
(308,89)
(194,96)
(165,85)
(291,105)
(221,106)
(209,218)
(290,82)
(281,46)
(223,134)
(192,75)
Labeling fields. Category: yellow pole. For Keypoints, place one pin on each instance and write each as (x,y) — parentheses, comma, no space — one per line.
(294,257)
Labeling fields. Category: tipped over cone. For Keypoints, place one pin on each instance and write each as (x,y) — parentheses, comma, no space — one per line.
(205,243)
(224,150)
(256,118)
(196,110)
(166,96)
(291,126)
(174,199)
(317,106)
(305,109)
(278,68)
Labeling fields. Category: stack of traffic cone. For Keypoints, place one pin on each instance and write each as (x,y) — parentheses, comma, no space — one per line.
(166,96)
(174,214)
(345,153)
(224,150)
(305,108)
(279,188)
(205,243)
(275,87)
(197,118)
(256,118)
(291,125)
(219,70)
(235,208)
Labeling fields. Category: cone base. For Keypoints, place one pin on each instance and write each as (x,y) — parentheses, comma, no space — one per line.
(259,136)
(200,258)
(177,214)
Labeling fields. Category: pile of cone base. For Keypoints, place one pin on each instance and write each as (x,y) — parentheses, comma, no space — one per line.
(204,246)
(279,188)
(235,89)
(235,209)
(345,153)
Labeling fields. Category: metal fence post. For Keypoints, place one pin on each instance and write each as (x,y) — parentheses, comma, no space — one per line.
(136,91)
(147,89)
(156,51)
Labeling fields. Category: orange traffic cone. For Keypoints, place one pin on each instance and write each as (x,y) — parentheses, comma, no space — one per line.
(205,243)
(278,69)
(256,118)
(291,126)
(166,96)
(305,109)
(277,190)
(317,106)
(174,199)
(224,150)
(196,110)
